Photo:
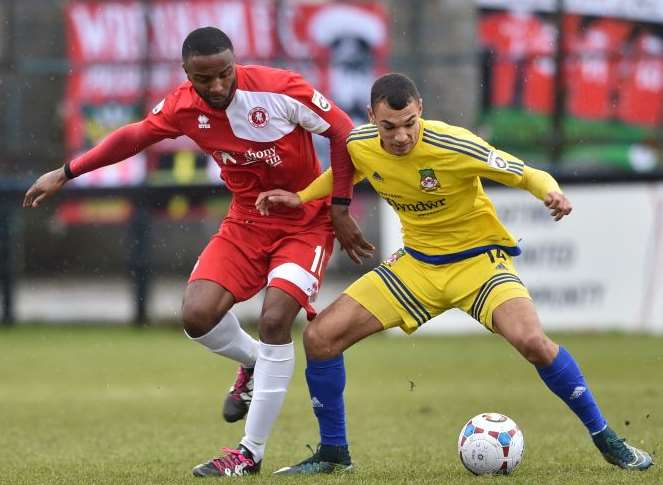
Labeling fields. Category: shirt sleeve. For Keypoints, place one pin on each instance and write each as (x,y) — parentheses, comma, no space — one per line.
(119,145)
(322,186)
(319,115)
(130,139)
(538,183)
(162,120)
(477,158)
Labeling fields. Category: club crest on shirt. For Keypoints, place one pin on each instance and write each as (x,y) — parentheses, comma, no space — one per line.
(258,117)
(428,180)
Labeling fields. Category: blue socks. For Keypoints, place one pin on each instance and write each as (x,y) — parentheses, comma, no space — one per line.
(563,377)
(326,382)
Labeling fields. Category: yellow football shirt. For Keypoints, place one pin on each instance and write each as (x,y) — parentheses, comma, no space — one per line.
(436,189)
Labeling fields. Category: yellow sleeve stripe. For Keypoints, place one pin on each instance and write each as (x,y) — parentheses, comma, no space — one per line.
(478,151)
(515,167)
(454,139)
(362,132)
(364,129)
(456,148)
(470,148)
(360,136)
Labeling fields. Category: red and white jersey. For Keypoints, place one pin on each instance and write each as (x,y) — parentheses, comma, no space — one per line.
(262,140)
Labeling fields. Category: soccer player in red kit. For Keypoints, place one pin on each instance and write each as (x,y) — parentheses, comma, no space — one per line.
(256,122)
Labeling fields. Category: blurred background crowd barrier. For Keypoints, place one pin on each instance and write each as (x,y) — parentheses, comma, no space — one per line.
(574,87)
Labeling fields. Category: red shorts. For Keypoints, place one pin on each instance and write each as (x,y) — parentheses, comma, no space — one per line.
(245,256)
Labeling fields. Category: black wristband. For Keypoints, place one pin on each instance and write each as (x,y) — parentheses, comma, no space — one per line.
(67,171)
(341,201)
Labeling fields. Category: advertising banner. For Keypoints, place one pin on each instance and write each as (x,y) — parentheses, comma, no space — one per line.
(594,270)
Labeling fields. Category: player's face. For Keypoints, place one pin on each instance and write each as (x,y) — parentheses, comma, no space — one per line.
(399,129)
(213,77)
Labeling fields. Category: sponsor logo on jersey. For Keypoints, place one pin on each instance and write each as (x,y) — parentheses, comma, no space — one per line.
(157,109)
(268,155)
(419,206)
(428,180)
(378,177)
(224,157)
(258,117)
(203,122)
(320,101)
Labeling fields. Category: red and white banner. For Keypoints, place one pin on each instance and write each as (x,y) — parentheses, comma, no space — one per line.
(126,55)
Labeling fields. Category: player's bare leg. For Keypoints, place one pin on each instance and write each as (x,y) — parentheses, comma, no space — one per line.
(338,327)
(207,320)
(517,321)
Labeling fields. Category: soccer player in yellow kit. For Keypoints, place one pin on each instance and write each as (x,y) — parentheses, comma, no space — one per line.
(457,254)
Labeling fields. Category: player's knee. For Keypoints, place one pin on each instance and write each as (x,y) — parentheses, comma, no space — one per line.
(318,347)
(199,318)
(274,328)
(312,342)
(538,349)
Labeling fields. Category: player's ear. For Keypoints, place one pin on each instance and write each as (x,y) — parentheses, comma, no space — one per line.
(371,115)
(421,106)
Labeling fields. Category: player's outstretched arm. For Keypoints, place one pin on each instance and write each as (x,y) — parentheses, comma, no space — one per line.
(345,227)
(117,146)
(44,187)
(544,186)
(273,197)
(558,204)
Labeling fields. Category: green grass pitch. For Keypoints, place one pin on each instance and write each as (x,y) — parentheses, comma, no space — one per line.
(111,405)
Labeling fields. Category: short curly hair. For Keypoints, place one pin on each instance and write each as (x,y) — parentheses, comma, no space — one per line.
(205,41)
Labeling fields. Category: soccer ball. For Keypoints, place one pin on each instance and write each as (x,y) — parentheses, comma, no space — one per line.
(491,443)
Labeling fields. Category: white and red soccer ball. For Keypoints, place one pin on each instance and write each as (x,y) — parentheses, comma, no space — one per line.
(491,443)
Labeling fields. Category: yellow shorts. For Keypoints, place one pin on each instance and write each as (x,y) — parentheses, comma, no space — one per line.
(406,292)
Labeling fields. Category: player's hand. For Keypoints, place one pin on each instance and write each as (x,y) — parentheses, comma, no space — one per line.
(45,186)
(274,197)
(558,204)
(349,235)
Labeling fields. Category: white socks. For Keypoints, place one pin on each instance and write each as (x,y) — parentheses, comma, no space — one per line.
(228,339)
(274,366)
(273,370)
